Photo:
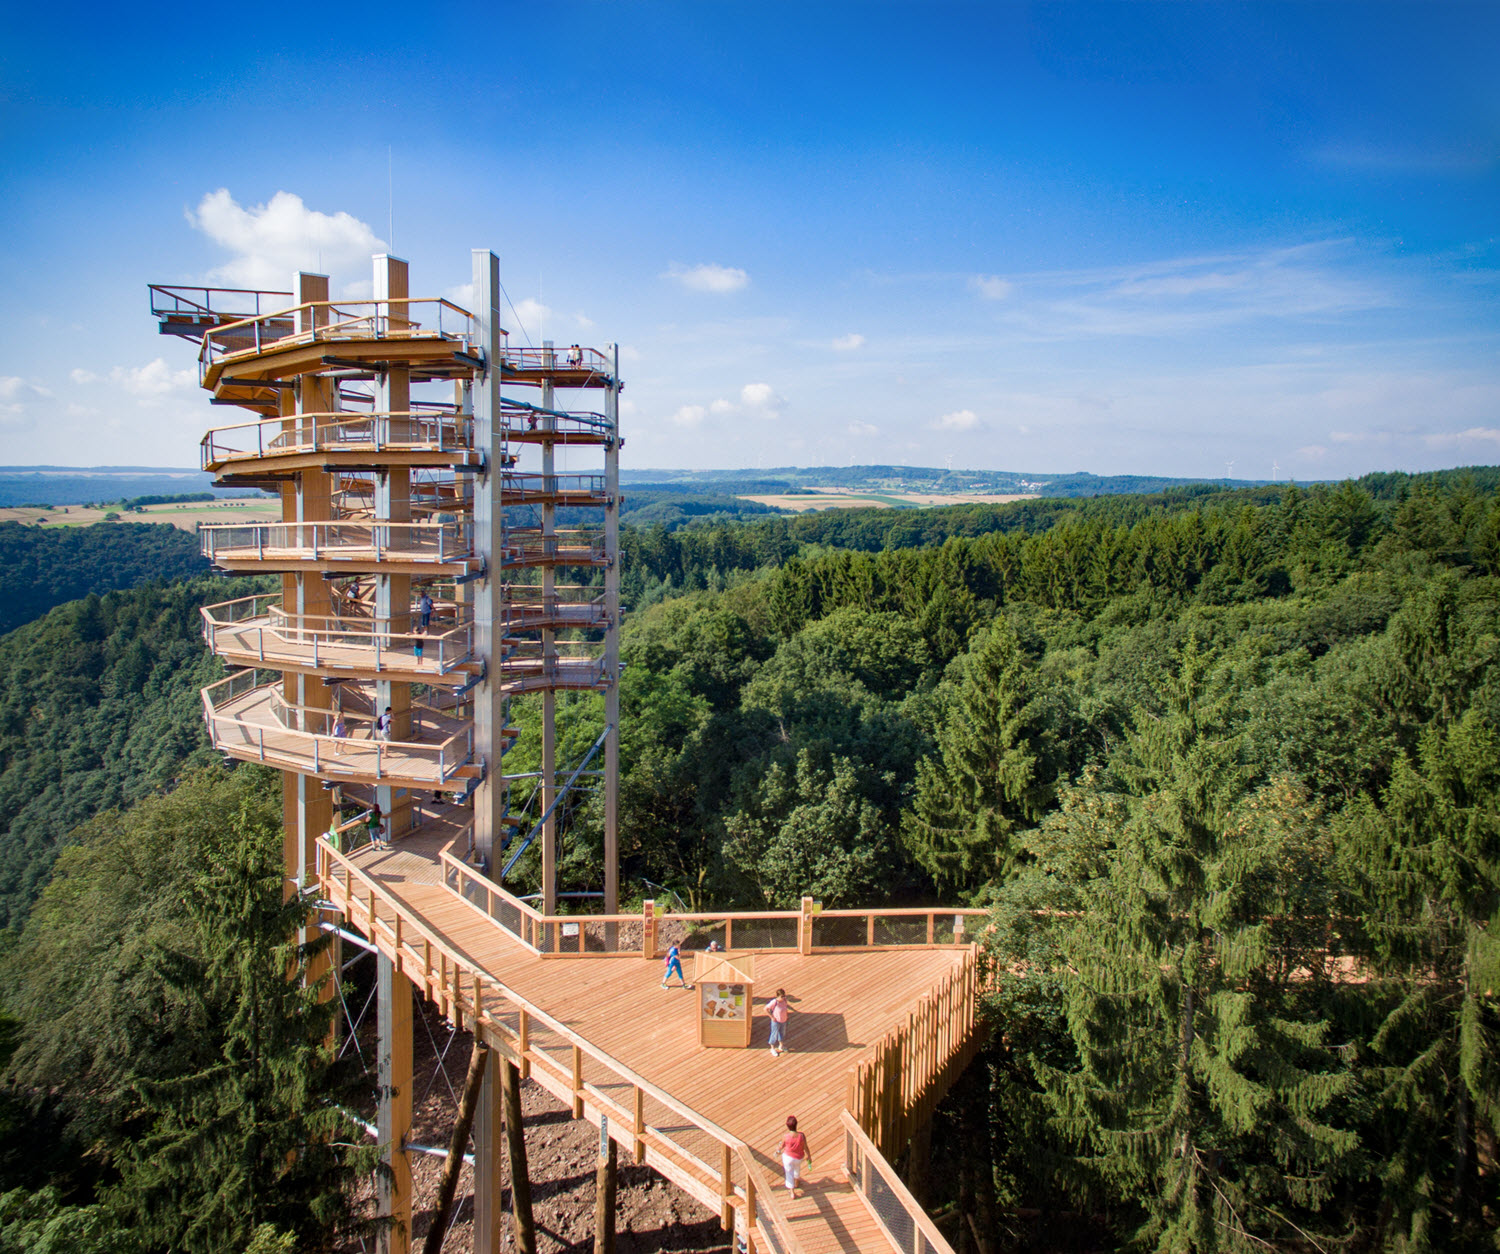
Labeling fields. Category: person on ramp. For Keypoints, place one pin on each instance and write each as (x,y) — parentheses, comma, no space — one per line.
(674,963)
(795,1155)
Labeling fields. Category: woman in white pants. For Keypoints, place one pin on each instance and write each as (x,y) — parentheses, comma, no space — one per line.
(795,1155)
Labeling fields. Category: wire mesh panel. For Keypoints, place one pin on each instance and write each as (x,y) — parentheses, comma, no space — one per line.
(890,1209)
(901,929)
(839,931)
(765,933)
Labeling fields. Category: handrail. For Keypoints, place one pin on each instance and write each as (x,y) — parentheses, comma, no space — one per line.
(462,986)
(861,1153)
(379,430)
(347,540)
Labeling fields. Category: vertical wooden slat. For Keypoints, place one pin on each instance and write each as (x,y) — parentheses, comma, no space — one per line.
(577,1083)
(726,1190)
(640,1125)
(525,1045)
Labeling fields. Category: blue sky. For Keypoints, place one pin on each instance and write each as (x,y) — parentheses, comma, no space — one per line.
(1123,238)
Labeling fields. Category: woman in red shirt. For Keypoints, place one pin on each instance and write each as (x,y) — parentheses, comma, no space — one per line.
(795,1154)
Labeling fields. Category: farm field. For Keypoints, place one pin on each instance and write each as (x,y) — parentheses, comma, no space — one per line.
(185,516)
(832,498)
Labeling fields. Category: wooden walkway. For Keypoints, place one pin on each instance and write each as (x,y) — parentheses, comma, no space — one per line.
(842,1003)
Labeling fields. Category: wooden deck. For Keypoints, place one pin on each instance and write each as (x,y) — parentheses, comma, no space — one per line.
(842,1004)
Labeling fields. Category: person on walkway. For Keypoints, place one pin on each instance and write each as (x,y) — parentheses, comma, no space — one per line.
(795,1155)
(778,1009)
(383,724)
(375,826)
(674,963)
(424,608)
(418,644)
(340,733)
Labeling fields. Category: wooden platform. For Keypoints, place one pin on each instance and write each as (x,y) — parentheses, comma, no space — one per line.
(842,1003)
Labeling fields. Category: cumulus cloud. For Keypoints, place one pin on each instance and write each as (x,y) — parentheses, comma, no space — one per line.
(862,429)
(533,317)
(271,242)
(690,416)
(762,399)
(149,382)
(1441,438)
(14,388)
(958,420)
(991,286)
(848,343)
(708,278)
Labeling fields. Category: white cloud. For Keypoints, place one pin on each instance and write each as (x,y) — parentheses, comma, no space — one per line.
(708,278)
(1441,438)
(991,286)
(533,317)
(154,379)
(848,343)
(14,388)
(689,415)
(721,407)
(958,420)
(762,398)
(863,429)
(271,242)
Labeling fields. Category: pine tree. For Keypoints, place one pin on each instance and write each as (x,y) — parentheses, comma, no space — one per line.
(246,1144)
(1430,856)
(995,773)
(1207,1084)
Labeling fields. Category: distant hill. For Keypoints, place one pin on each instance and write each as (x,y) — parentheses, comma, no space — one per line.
(81,485)
(927,479)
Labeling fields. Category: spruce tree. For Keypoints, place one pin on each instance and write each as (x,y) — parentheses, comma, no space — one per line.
(995,771)
(1430,857)
(1207,1086)
(245,1144)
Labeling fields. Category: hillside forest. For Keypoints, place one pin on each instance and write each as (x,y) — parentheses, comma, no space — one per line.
(1224,766)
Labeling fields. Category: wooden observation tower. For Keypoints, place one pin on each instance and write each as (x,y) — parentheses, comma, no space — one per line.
(441,549)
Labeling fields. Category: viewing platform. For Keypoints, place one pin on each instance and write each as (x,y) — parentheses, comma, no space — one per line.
(286,444)
(880,1028)
(432,336)
(527,607)
(531,424)
(256,631)
(357,545)
(567,546)
(249,718)
(574,367)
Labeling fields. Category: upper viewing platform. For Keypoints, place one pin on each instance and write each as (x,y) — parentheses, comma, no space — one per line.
(315,441)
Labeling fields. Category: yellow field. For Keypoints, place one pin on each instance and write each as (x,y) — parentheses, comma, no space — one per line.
(185,517)
(831,498)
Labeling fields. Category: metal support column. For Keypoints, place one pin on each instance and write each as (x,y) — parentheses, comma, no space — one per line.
(612,643)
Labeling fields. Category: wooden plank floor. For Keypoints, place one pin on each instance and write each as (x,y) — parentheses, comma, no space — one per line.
(841,1005)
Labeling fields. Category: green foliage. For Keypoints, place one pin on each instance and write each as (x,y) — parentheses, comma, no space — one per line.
(165,1007)
(995,772)
(99,707)
(41,567)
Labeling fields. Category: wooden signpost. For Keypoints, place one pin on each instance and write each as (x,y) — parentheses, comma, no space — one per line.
(725,984)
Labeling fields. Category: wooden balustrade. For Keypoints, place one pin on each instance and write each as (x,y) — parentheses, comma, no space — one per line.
(470,996)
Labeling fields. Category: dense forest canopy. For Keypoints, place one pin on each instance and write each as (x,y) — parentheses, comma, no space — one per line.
(1223,766)
(42,568)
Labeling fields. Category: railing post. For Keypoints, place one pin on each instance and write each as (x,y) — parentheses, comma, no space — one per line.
(640,1125)
(726,1191)
(751,1244)
(804,928)
(524,1044)
(648,931)
(931,927)
(577,1082)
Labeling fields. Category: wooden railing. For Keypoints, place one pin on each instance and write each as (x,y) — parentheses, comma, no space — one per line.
(361,542)
(323,320)
(232,731)
(710,1164)
(644,935)
(886,1196)
(896,1087)
(408,431)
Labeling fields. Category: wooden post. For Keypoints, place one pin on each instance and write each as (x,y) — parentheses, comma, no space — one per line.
(648,931)
(515,1144)
(393,1114)
(489,1161)
(604,1191)
(804,928)
(640,1125)
(726,1189)
(577,1083)
(473,1082)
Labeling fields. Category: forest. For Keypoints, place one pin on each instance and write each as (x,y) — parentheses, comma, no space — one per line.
(1224,766)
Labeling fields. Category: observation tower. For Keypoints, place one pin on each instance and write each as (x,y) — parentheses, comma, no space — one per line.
(424,577)
(448,540)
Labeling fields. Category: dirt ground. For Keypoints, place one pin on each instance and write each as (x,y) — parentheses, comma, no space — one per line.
(652,1216)
(185,517)
(830,499)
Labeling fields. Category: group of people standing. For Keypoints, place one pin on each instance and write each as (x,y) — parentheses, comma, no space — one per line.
(796,1154)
